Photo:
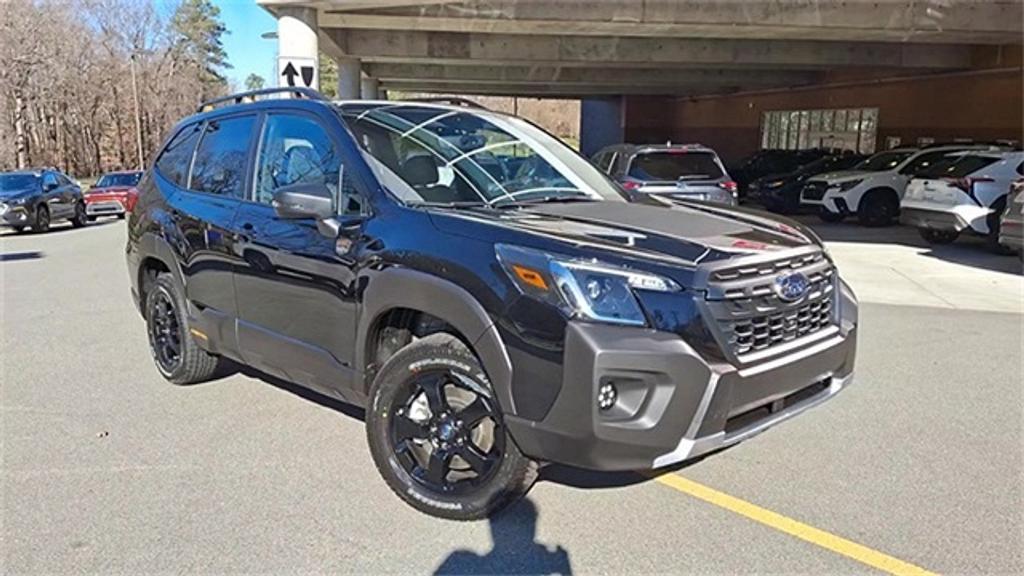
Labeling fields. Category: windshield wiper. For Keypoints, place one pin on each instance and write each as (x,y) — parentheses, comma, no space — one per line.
(549,199)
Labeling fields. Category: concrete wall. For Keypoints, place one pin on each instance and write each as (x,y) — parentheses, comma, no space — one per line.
(982,105)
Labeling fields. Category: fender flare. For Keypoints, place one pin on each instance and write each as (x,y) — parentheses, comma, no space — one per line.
(405,288)
(153,246)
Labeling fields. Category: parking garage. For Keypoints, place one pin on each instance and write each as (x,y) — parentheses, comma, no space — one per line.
(735,76)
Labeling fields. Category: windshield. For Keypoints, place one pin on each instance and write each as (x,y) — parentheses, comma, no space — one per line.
(450,156)
(884,161)
(17,182)
(958,166)
(674,165)
(126,179)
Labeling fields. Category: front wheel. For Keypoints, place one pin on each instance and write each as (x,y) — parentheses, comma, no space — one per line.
(79,219)
(437,436)
(878,208)
(937,236)
(42,223)
(830,217)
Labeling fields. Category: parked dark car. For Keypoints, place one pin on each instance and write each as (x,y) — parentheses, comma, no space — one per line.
(36,198)
(114,194)
(764,162)
(486,293)
(681,171)
(781,192)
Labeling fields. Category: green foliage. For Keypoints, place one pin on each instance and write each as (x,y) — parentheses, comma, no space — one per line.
(328,76)
(197,31)
(255,82)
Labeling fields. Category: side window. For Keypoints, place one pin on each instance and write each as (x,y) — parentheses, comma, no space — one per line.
(223,156)
(599,160)
(610,164)
(297,150)
(49,181)
(1020,168)
(176,158)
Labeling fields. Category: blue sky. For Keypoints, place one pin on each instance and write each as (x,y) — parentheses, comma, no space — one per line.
(247,52)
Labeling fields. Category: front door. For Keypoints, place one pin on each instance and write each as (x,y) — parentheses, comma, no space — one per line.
(295,286)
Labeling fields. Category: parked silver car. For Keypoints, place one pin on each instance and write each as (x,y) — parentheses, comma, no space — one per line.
(683,171)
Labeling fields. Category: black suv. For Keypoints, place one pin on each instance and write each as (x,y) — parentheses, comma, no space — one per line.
(35,198)
(487,294)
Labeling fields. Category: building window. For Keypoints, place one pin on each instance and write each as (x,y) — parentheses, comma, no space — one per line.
(849,128)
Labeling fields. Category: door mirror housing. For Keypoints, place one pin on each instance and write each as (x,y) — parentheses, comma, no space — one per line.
(304,200)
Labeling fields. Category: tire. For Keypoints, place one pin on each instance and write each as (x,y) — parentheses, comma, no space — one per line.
(42,223)
(177,356)
(79,219)
(830,217)
(938,236)
(878,208)
(417,435)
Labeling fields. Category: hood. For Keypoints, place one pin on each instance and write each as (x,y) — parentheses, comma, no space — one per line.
(842,175)
(681,232)
(12,194)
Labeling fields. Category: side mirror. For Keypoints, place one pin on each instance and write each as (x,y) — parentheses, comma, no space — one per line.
(49,187)
(303,200)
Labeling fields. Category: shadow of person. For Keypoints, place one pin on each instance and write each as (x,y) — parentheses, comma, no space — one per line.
(514,552)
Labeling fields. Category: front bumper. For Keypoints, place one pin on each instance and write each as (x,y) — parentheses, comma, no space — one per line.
(104,208)
(1011,233)
(674,405)
(15,216)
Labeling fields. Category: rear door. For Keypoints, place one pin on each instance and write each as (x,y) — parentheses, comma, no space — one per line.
(204,211)
(295,287)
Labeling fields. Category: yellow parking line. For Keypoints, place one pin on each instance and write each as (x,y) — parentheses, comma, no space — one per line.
(837,544)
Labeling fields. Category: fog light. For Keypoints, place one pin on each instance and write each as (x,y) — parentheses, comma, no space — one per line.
(606,396)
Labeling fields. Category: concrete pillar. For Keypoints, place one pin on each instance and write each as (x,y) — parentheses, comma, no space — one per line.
(349,79)
(370,89)
(296,36)
(600,124)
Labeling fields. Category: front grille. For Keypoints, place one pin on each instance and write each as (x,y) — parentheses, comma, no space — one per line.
(764,331)
(814,191)
(750,317)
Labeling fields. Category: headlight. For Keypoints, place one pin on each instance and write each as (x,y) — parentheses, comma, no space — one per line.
(848,185)
(585,289)
(17,201)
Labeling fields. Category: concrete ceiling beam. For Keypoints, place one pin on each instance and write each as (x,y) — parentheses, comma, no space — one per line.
(588,75)
(952,21)
(553,90)
(455,47)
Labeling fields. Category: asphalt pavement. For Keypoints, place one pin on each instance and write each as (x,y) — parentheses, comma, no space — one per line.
(108,468)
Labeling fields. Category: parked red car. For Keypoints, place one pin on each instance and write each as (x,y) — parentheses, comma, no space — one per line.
(113,195)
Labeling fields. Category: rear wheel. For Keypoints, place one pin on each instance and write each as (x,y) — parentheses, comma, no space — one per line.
(938,236)
(437,436)
(831,217)
(878,208)
(42,223)
(79,219)
(177,356)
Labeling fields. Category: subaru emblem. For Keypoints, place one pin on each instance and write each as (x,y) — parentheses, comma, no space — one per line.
(791,287)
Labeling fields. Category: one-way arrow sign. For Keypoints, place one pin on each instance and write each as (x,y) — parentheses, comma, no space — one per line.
(297,72)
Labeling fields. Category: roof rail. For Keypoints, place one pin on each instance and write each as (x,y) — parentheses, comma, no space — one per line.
(452,100)
(252,95)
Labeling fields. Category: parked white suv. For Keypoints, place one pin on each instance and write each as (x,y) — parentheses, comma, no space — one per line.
(872,190)
(969,192)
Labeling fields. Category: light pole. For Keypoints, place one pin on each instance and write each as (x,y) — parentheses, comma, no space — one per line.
(138,116)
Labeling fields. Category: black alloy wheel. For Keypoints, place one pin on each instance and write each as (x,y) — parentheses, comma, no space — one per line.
(437,435)
(42,223)
(878,208)
(80,219)
(165,334)
(444,433)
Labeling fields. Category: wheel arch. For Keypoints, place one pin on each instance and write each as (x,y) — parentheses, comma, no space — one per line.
(880,190)
(404,290)
(155,255)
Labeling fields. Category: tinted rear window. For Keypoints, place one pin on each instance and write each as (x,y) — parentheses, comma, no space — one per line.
(123,179)
(222,157)
(960,167)
(675,165)
(176,158)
